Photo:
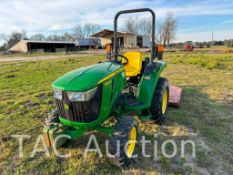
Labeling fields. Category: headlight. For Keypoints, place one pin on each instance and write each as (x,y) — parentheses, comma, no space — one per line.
(82,96)
(58,94)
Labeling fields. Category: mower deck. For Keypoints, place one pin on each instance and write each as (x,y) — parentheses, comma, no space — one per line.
(174,96)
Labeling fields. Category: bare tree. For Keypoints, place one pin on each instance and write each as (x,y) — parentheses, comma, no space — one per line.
(18,35)
(145,26)
(3,47)
(86,30)
(38,37)
(160,32)
(79,32)
(169,28)
(90,29)
(67,37)
(138,25)
(54,37)
(131,25)
(5,39)
(15,37)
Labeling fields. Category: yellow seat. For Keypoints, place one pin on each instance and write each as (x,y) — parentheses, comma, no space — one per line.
(134,65)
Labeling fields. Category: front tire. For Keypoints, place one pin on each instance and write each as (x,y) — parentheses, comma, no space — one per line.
(160,101)
(123,140)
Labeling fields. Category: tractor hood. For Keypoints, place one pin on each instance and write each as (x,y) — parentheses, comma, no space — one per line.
(85,78)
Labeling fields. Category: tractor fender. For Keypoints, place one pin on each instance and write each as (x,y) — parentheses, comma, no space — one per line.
(149,81)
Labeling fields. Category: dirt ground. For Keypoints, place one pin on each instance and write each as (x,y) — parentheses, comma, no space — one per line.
(35,58)
(32,57)
(50,56)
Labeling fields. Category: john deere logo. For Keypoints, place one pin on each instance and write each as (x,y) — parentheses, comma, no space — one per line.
(66,107)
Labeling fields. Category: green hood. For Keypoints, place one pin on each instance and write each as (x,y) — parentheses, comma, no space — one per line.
(85,78)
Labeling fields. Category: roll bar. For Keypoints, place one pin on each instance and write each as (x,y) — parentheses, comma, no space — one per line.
(115,46)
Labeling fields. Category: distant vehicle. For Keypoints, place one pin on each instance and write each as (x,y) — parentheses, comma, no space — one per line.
(188,46)
(201,45)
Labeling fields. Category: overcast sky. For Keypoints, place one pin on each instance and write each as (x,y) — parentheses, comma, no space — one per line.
(196,18)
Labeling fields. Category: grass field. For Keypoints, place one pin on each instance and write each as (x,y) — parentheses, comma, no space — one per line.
(205,116)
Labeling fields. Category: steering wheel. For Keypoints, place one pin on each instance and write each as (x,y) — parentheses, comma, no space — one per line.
(122,56)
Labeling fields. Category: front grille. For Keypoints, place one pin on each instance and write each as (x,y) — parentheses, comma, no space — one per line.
(80,111)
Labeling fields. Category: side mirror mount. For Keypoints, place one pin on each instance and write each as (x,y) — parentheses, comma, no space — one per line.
(108,50)
(160,51)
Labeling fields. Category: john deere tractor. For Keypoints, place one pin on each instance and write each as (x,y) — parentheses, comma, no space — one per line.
(122,87)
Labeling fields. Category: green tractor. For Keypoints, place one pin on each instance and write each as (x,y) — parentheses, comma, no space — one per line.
(123,87)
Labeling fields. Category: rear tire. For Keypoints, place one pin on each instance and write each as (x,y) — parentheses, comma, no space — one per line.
(124,133)
(160,101)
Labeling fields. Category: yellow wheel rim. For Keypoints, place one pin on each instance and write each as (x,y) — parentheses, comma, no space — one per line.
(131,142)
(165,101)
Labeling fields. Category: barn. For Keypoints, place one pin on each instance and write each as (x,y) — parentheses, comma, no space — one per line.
(125,39)
(28,46)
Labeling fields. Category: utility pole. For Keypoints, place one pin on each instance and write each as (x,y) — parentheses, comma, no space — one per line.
(212,36)
(212,42)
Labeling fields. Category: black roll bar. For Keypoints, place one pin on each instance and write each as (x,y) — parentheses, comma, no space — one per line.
(115,46)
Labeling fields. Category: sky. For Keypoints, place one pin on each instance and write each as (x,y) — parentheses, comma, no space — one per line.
(196,19)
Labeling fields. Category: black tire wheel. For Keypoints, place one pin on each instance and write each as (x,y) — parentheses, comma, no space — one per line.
(123,141)
(160,101)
